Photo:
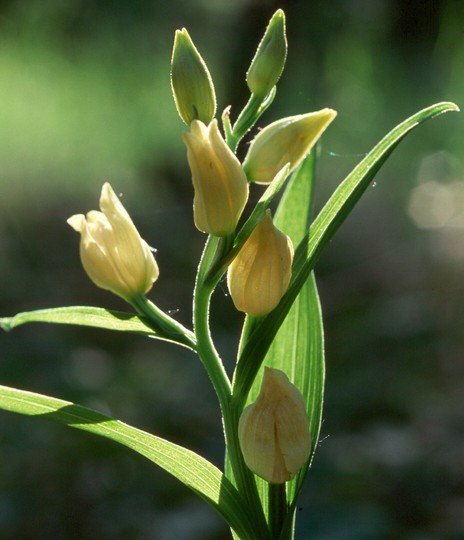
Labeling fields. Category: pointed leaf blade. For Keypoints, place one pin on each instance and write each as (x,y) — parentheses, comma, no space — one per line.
(191,469)
(118,321)
(298,349)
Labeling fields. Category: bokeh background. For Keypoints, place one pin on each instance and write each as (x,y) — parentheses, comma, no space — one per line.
(84,98)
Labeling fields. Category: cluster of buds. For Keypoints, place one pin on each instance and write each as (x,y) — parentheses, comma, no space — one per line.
(260,274)
(273,431)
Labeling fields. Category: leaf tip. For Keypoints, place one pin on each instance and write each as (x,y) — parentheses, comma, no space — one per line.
(448,106)
(5,324)
(451,106)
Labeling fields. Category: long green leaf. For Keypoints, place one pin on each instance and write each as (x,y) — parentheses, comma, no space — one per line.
(300,337)
(320,233)
(84,316)
(298,348)
(191,469)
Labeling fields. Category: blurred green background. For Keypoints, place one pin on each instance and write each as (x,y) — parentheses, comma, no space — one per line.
(85,98)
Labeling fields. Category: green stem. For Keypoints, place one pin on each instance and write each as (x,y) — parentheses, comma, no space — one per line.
(205,346)
(160,321)
(248,117)
(230,414)
(288,527)
(277,509)
(206,350)
(214,248)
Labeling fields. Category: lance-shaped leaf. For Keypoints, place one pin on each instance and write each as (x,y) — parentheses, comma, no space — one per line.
(298,348)
(195,472)
(259,334)
(95,317)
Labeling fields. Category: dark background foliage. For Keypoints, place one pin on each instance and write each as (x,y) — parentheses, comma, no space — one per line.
(84,98)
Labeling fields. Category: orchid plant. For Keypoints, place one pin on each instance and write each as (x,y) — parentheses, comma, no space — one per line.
(271,405)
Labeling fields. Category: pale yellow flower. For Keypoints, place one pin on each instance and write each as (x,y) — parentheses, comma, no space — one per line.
(288,140)
(112,252)
(274,430)
(259,275)
(221,187)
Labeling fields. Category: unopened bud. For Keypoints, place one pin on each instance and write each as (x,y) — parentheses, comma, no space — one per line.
(274,430)
(191,82)
(259,275)
(221,187)
(269,60)
(288,140)
(112,252)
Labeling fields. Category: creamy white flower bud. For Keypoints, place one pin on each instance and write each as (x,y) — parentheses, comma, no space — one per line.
(221,187)
(269,60)
(112,252)
(259,275)
(191,82)
(274,430)
(288,140)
